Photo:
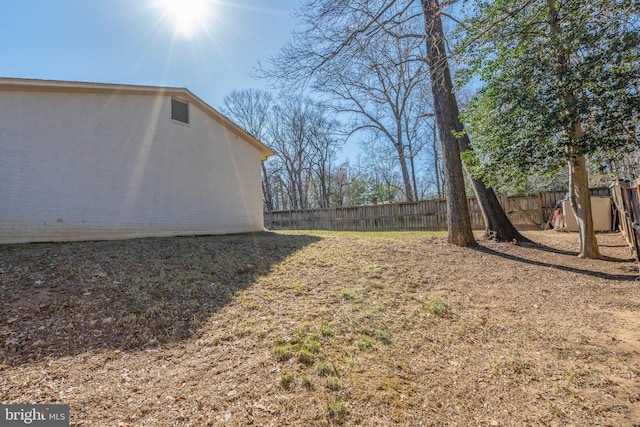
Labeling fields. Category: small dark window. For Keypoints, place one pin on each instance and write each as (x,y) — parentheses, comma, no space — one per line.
(179,111)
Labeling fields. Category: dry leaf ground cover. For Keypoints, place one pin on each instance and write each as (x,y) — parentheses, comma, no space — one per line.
(321,328)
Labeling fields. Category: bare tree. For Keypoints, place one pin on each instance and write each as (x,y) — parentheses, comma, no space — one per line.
(325,145)
(497,224)
(251,110)
(372,78)
(336,32)
(303,136)
(382,177)
(446,113)
(339,41)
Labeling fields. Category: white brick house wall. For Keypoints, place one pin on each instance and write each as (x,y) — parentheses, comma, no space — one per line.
(85,161)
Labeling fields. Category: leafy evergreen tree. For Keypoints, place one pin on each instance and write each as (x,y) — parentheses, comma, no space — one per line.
(560,82)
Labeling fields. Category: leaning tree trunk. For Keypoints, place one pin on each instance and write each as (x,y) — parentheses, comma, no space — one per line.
(445,108)
(497,223)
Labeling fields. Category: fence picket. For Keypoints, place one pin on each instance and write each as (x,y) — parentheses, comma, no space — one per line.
(530,211)
(626,197)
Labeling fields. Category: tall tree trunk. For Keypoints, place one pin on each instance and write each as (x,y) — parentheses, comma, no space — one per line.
(458,219)
(266,188)
(413,174)
(497,224)
(579,195)
(325,198)
(580,199)
(406,179)
(436,162)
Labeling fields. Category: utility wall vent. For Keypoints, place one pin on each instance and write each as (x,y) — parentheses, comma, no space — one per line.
(180,111)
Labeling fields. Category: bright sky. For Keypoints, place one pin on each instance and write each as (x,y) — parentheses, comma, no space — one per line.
(207,46)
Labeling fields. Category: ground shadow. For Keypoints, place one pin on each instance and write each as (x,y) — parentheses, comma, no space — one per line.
(62,299)
(545,248)
(593,273)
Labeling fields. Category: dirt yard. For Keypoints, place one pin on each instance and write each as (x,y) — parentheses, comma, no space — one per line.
(320,328)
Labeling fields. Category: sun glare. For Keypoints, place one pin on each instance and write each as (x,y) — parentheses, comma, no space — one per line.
(187,16)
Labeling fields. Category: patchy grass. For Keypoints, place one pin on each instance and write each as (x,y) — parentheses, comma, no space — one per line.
(326,331)
(337,411)
(384,336)
(286,379)
(350,295)
(333,384)
(438,306)
(322,328)
(307,382)
(282,352)
(326,369)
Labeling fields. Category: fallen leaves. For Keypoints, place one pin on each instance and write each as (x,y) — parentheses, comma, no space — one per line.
(182,331)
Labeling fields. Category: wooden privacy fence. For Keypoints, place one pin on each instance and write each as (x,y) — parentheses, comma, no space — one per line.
(530,211)
(626,197)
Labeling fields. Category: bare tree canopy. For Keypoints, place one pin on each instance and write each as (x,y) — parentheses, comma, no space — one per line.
(304,137)
(377,82)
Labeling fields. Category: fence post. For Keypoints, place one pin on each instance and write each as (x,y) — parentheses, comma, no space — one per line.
(541,208)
